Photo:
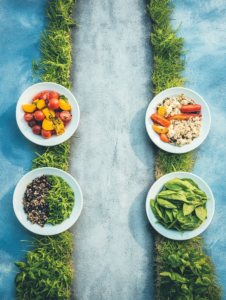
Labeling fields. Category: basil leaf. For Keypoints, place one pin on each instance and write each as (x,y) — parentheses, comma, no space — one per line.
(178,185)
(201,213)
(192,182)
(165,203)
(169,214)
(186,292)
(188,209)
(152,204)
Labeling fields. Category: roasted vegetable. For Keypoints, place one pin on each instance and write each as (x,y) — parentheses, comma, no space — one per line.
(164,138)
(191,108)
(160,120)
(183,116)
(160,129)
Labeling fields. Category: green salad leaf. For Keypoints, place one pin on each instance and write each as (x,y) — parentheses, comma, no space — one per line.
(60,200)
(181,205)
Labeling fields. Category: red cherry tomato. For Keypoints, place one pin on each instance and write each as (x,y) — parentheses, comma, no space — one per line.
(57,114)
(39,115)
(36,129)
(53,104)
(65,116)
(32,123)
(46,134)
(53,95)
(28,117)
(45,96)
(39,96)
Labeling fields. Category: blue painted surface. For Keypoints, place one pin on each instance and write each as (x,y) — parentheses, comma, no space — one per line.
(204,29)
(21,23)
(113,160)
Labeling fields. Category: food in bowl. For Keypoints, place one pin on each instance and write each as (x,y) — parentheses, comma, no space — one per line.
(178,120)
(48,199)
(181,205)
(48,114)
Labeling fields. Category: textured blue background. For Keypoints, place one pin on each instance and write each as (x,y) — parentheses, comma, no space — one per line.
(113,160)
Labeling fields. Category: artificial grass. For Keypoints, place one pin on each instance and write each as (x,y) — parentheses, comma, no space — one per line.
(54,157)
(198,265)
(55,42)
(169,64)
(169,162)
(47,273)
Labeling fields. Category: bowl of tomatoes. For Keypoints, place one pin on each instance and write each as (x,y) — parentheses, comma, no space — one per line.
(47,114)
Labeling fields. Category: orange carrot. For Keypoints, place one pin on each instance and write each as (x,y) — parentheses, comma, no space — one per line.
(160,120)
(164,138)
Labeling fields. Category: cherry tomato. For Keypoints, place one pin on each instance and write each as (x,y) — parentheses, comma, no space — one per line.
(45,96)
(39,96)
(28,117)
(65,116)
(36,129)
(32,123)
(46,133)
(53,104)
(57,114)
(39,115)
(53,95)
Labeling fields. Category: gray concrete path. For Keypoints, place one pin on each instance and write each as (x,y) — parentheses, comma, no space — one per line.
(113,158)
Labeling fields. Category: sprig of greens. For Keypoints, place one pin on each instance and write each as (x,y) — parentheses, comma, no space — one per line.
(47,273)
(55,157)
(60,200)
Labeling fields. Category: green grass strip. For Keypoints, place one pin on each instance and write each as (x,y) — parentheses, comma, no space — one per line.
(48,273)
(168,253)
(55,157)
(169,64)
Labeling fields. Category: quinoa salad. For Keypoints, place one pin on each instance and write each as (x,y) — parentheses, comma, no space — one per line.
(48,199)
(178,120)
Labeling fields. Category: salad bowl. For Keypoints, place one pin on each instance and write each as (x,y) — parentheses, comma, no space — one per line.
(170,233)
(26,98)
(48,229)
(206,120)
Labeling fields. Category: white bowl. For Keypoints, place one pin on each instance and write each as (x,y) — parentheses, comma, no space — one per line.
(206,120)
(48,229)
(173,234)
(26,98)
